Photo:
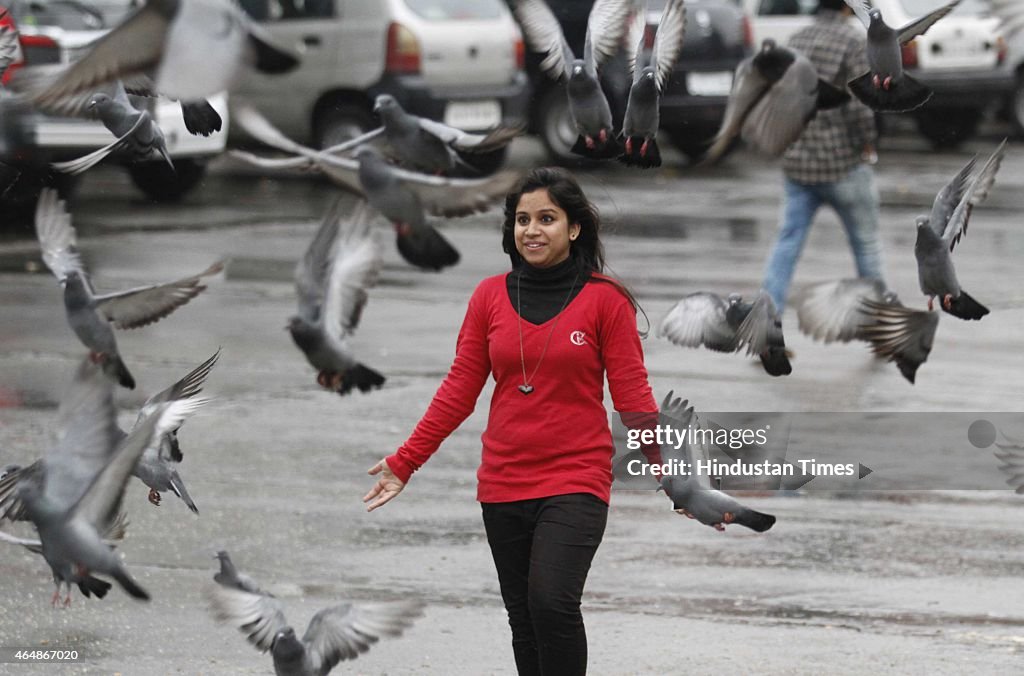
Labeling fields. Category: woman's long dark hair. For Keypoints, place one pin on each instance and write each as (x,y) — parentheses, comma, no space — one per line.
(586,250)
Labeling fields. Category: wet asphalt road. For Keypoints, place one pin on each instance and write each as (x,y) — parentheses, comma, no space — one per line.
(852,581)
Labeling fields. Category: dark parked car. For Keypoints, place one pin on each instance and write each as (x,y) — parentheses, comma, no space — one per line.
(717,38)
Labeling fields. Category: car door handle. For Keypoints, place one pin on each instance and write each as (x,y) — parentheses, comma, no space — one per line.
(311,40)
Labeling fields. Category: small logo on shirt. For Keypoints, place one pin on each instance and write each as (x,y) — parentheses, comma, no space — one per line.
(578,338)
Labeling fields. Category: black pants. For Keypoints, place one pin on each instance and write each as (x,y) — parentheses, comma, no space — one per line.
(542,549)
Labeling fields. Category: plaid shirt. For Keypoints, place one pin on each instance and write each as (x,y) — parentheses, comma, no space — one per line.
(832,143)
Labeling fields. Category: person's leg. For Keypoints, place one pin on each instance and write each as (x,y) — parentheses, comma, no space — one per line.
(568,531)
(800,202)
(510,531)
(855,199)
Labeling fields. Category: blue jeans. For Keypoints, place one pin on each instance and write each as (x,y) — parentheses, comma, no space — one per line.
(855,199)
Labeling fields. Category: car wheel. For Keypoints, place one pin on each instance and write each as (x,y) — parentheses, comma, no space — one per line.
(340,122)
(555,126)
(948,128)
(160,184)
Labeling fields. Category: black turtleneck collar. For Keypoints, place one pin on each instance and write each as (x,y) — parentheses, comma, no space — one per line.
(545,291)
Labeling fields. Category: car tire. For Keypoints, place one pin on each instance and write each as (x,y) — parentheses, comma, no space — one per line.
(160,184)
(340,122)
(555,126)
(948,127)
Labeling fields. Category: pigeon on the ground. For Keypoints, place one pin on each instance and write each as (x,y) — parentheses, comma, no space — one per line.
(886,87)
(74,494)
(425,145)
(339,632)
(650,76)
(403,196)
(691,492)
(331,281)
(91,315)
(136,131)
(588,106)
(193,48)
(864,309)
(705,318)
(941,230)
(775,93)
(158,466)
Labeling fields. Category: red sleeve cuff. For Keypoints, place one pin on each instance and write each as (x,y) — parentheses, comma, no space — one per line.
(400,468)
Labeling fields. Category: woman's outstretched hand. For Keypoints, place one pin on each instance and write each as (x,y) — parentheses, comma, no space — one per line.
(386,488)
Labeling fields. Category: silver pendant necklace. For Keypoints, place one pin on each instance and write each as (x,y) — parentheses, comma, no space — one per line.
(526,387)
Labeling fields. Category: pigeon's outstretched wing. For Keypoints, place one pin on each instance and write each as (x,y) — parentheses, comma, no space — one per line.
(920,26)
(860,10)
(975,194)
(466,142)
(748,87)
(90,160)
(947,199)
(147,304)
(56,235)
(699,319)
(1012,458)
(544,35)
(668,41)
(344,631)
(754,330)
(898,333)
(781,114)
(257,614)
(356,264)
(831,311)
(311,270)
(605,26)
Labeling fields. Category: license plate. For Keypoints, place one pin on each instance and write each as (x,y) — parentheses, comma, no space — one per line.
(709,84)
(473,114)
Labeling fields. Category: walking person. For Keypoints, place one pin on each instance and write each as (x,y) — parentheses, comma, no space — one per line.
(548,332)
(831,161)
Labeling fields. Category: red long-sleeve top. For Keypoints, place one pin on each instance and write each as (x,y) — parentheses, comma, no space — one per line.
(556,440)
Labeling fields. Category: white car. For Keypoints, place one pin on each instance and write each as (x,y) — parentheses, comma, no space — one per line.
(961,58)
(458,61)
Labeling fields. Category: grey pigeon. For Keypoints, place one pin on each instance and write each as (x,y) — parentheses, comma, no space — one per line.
(194,48)
(886,87)
(587,103)
(158,466)
(403,196)
(942,229)
(705,318)
(136,131)
(775,94)
(864,309)
(75,494)
(90,315)
(339,632)
(650,76)
(331,282)
(691,492)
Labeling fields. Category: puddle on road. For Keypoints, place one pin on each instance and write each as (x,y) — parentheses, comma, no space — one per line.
(679,226)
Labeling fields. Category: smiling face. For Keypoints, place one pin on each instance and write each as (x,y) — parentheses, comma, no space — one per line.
(543,232)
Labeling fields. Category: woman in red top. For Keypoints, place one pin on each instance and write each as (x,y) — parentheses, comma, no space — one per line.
(548,332)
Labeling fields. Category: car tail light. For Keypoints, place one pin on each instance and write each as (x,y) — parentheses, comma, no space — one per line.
(748,33)
(520,50)
(403,51)
(909,53)
(1000,50)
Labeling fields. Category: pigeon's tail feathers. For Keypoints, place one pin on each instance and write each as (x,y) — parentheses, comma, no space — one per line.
(268,58)
(608,150)
(830,96)
(908,367)
(966,307)
(754,520)
(426,248)
(645,153)
(360,377)
(114,367)
(94,586)
(129,585)
(904,96)
(776,361)
(167,158)
(201,119)
(178,486)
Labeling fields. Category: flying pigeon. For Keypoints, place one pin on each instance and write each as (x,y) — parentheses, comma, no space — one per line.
(705,318)
(331,282)
(587,103)
(403,196)
(73,495)
(136,132)
(650,76)
(775,93)
(940,231)
(90,315)
(157,468)
(886,87)
(194,48)
(339,632)
(691,493)
(864,309)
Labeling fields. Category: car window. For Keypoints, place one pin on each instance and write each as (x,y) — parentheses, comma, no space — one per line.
(787,7)
(284,10)
(965,8)
(447,10)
